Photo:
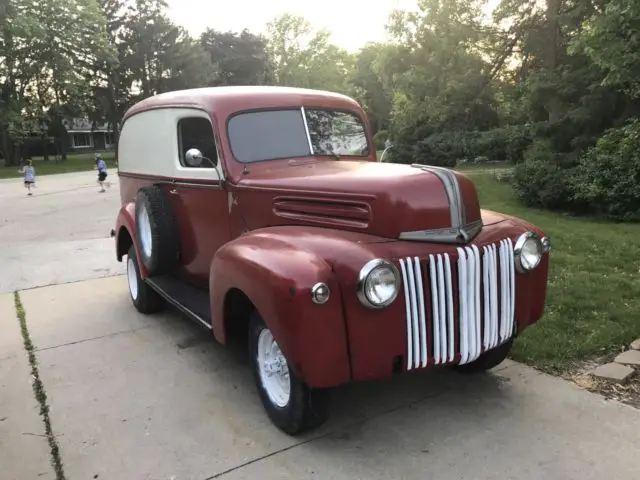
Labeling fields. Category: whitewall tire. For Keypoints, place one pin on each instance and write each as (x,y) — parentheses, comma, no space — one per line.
(290,404)
(143,297)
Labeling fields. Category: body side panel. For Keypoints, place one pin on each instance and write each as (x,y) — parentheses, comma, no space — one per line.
(277,277)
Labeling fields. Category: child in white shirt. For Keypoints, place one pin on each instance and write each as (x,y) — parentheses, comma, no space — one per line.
(29,176)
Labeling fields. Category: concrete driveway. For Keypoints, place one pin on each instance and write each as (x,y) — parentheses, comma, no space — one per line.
(153,397)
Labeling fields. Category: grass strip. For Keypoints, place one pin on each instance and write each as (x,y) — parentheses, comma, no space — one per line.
(38,389)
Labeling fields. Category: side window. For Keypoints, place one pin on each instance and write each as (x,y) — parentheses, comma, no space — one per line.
(196,132)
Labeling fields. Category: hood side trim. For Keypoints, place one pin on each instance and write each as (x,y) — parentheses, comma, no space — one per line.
(444,235)
(460,231)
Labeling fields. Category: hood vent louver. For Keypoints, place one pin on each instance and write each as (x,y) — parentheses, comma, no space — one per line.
(324,211)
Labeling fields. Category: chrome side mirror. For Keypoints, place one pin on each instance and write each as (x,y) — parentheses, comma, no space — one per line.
(193,157)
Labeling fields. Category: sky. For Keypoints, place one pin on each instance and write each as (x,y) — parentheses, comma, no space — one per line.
(352,23)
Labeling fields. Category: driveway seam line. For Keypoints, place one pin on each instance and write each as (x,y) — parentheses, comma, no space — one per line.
(325,435)
(69,282)
(84,340)
(38,389)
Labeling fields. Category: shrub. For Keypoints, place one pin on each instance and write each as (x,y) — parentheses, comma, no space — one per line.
(608,180)
(443,149)
(451,147)
(500,144)
(543,178)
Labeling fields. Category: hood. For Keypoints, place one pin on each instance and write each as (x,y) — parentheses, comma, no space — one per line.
(421,202)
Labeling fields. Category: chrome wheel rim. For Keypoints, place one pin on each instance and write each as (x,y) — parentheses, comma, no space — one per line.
(132,276)
(274,371)
(144,227)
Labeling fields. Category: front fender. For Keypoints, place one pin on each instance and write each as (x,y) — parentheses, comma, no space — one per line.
(277,276)
(126,224)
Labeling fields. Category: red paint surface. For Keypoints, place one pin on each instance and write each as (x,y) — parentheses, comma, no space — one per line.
(202,216)
(277,276)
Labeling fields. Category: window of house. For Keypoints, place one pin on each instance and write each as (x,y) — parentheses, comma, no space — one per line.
(197,132)
(82,140)
(109,139)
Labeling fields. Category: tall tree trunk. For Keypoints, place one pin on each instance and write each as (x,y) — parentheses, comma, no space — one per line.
(7,149)
(45,146)
(552,48)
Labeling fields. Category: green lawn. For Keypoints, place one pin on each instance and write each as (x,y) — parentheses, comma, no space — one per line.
(593,298)
(74,163)
(469,167)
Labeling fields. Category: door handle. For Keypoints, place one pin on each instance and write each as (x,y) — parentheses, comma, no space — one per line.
(173,191)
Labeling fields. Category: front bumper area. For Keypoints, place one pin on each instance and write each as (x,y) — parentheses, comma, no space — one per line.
(454,304)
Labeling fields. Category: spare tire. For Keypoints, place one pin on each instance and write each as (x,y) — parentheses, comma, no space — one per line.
(157,231)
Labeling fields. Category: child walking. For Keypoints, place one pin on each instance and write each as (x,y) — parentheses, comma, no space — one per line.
(101,165)
(29,176)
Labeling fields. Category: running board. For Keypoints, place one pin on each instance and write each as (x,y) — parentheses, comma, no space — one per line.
(190,300)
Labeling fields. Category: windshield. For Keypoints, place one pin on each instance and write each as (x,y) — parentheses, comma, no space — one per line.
(277,134)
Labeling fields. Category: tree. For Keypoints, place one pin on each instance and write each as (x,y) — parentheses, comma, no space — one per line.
(160,56)
(370,88)
(240,59)
(445,86)
(611,40)
(306,58)
(44,61)
(111,90)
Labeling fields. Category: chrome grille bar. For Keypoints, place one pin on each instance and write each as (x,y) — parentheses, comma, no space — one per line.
(485,300)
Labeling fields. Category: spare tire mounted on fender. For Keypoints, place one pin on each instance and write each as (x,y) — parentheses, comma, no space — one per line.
(156,230)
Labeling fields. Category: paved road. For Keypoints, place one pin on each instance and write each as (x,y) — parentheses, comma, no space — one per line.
(153,397)
(58,235)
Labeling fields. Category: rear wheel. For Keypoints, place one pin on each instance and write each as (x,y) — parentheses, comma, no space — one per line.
(144,298)
(488,360)
(290,404)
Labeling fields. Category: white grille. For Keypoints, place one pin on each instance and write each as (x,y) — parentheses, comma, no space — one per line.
(486,302)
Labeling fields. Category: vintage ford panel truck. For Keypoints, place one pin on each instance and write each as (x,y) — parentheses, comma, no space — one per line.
(262,214)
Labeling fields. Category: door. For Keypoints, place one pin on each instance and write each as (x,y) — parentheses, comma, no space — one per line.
(198,198)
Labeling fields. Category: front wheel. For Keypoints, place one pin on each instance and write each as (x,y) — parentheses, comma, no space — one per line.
(290,404)
(144,298)
(488,360)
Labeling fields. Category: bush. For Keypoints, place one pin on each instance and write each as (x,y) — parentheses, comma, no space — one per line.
(608,180)
(449,148)
(543,178)
(500,144)
(443,149)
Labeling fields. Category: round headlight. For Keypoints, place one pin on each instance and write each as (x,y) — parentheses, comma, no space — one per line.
(527,252)
(378,283)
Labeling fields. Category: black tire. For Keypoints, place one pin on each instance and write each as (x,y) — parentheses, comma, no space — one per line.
(144,298)
(488,360)
(306,409)
(165,245)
